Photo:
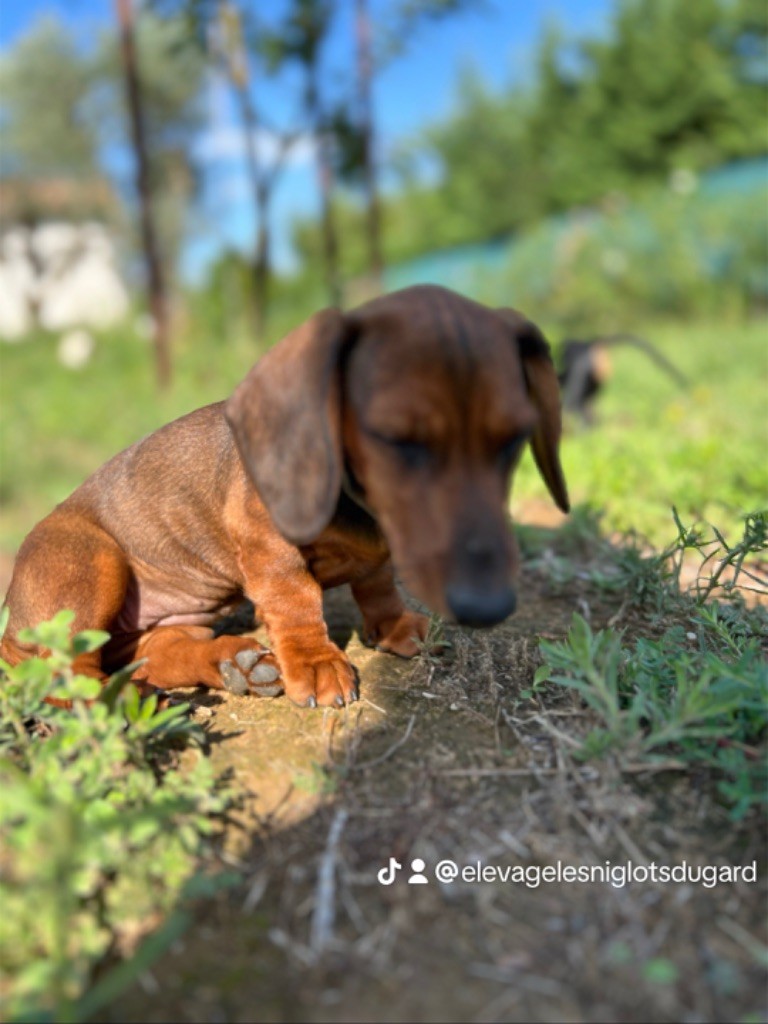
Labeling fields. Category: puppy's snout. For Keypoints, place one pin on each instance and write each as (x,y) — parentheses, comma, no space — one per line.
(479,591)
(480,553)
(475,607)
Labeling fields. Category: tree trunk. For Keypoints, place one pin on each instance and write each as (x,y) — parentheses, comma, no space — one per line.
(156,287)
(365,101)
(262,194)
(261,198)
(261,267)
(325,174)
(330,236)
(235,58)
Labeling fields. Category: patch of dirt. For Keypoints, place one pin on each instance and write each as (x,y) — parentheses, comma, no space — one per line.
(455,758)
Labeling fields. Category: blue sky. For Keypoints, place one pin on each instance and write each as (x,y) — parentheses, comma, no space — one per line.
(495,37)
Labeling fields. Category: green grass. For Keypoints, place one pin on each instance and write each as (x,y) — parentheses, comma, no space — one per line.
(696,689)
(57,425)
(698,693)
(702,450)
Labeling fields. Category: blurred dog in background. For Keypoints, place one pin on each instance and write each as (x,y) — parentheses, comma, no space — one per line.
(586,367)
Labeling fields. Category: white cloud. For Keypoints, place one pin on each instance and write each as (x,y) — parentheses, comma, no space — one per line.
(227,142)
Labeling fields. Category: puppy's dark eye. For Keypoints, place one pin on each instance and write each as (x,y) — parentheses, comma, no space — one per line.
(413,454)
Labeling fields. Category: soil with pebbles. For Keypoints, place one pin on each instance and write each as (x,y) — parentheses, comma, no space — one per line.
(451,758)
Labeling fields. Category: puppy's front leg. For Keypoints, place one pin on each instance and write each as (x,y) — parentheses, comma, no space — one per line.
(389,625)
(289,601)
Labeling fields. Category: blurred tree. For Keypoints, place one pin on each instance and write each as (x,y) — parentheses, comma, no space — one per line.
(231,43)
(673,85)
(63,110)
(172,74)
(405,19)
(367,146)
(156,287)
(351,133)
(665,89)
(662,91)
(300,38)
(228,35)
(489,183)
(45,83)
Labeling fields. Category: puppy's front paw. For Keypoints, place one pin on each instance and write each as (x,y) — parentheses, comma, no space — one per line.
(251,671)
(322,677)
(402,636)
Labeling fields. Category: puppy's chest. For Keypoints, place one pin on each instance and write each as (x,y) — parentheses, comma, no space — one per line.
(336,560)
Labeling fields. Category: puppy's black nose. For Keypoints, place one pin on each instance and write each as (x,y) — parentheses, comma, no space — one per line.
(479,607)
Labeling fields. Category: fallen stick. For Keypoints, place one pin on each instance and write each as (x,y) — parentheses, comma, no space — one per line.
(324,914)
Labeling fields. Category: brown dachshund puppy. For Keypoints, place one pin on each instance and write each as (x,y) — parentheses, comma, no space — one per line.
(364,443)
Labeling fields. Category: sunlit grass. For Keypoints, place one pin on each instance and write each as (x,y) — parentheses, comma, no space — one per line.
(702,449)
(655,445)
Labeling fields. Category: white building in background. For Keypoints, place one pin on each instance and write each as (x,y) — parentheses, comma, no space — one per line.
(59,275)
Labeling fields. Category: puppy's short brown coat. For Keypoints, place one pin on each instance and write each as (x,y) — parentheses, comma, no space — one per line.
(363,442)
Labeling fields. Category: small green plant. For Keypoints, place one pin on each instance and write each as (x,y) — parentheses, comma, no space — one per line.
(101,833)
(699,563)
(699,692)
(435,644)
(316,780)
(723,566)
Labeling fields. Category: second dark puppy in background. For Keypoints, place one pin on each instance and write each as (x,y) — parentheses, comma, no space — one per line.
(585,368)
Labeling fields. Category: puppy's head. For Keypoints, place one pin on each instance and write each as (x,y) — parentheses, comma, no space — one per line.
(422,401)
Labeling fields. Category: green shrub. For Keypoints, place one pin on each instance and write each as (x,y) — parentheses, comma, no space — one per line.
(101,833)
(669,255)
(698,692)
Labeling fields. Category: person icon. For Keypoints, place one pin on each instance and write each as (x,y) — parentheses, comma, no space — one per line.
(418,877)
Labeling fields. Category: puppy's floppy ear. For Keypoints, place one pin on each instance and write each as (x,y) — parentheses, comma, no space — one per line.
(286,419)
(544,391)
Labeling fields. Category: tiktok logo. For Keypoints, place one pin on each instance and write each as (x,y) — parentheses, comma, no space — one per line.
(388,874)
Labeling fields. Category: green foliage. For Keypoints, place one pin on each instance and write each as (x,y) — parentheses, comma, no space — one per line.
(172,85)
(666,88)
(301,34)
(673,87)
(696,565)
(435,644)
(45,85)
(63,105)
(701,449)
(698,692)
(680,254)
(98,839)
(651,108)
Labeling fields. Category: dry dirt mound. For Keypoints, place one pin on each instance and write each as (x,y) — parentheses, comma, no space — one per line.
(451,759)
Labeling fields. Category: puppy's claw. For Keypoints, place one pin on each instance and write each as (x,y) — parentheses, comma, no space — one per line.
(311,701)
